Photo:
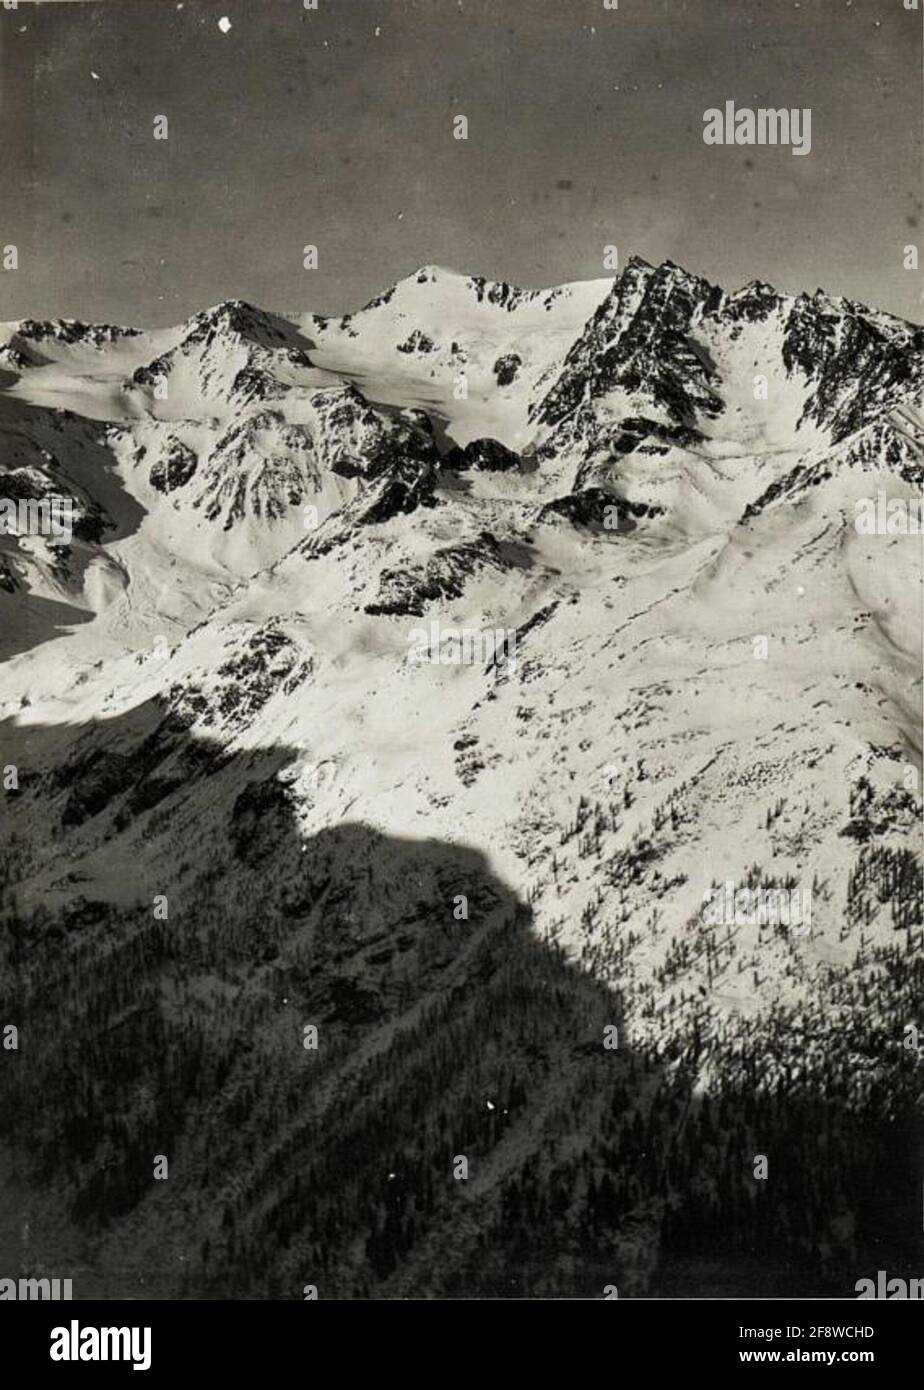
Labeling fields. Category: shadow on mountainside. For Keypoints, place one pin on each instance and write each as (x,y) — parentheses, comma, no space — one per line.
(36,436)
(73,457)
(27,620)
(168,933)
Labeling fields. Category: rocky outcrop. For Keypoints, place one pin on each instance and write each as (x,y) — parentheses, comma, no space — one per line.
(484,455)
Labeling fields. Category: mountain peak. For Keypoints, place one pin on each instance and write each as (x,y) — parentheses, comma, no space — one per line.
(234,314)
(665,273)
(755,289)
(637,262)
(434,272)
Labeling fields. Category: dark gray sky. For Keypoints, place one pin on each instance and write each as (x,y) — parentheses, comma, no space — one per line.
(585,128)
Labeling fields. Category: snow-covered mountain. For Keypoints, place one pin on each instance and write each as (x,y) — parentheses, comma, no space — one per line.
(214,693)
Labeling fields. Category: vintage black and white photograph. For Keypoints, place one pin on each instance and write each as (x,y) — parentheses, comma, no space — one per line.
(461,554)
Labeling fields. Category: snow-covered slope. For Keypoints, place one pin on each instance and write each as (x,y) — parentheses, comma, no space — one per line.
(649,501)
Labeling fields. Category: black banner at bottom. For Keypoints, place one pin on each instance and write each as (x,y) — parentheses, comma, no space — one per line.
(259,1338)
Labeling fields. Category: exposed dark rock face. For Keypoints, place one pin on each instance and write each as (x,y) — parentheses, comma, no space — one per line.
(879,447)
(857,363)
(417,342)
(506,368)
(509,297)
(411,485)
(599,510)
(638,340)
(264,664)
(408,590)
(72,331)
(263,339)
(44,483)
(255,383)
(174,468)
(358,441)
(379,300)
(23,484)
(14,358)
(260,467)
(753,303)
(237,317)
(485,455)
(647,339)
